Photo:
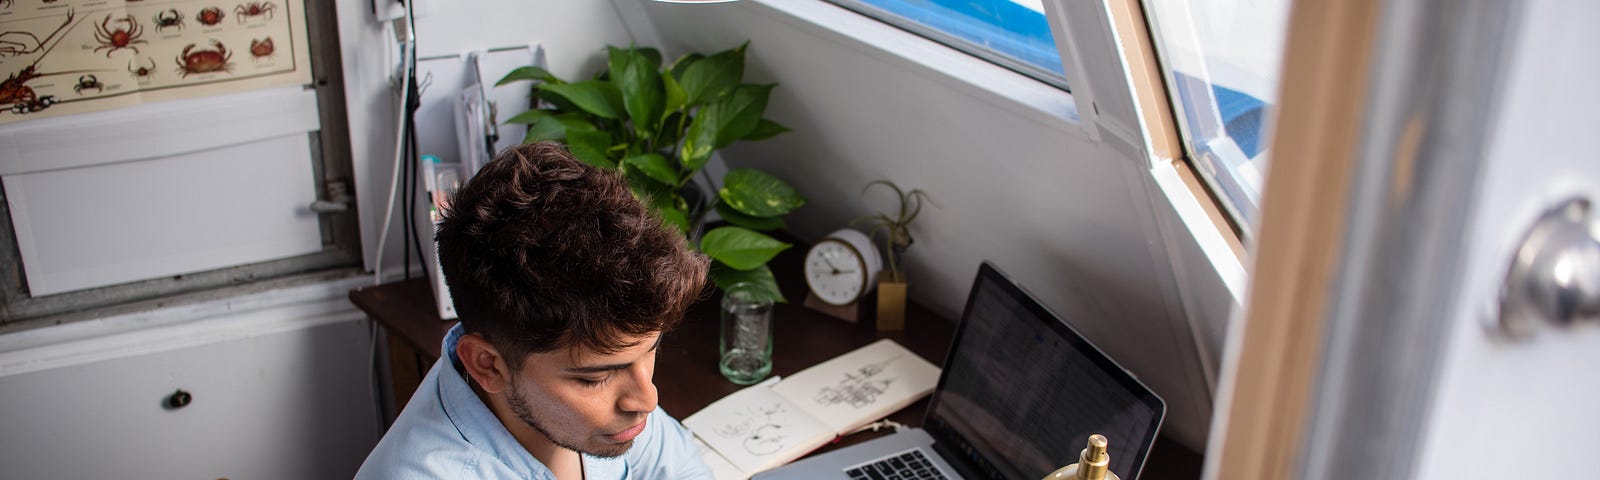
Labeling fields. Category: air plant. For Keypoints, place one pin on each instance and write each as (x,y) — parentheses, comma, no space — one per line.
(895,229)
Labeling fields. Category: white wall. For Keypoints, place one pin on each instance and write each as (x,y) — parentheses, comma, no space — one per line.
(575,32)
(1068,217)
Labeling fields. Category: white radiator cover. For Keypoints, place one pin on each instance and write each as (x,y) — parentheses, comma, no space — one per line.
(280,381)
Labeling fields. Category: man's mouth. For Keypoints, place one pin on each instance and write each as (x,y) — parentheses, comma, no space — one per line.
(628,434)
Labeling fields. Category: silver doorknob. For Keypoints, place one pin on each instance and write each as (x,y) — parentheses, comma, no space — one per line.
(1555,277)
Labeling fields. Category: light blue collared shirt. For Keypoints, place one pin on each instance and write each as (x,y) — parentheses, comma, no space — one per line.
(446,432)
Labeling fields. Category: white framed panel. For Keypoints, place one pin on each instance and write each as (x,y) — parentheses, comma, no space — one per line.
(87,227)
(156,130)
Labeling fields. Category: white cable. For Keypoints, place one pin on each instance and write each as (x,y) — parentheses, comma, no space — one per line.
(407,60)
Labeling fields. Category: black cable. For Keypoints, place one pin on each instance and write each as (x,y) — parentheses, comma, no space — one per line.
(406,167)
(416,161)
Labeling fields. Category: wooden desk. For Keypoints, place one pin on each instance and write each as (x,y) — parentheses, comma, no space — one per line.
(687,378)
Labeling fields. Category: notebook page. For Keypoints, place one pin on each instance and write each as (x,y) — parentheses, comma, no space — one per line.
(756,429)
(862,386)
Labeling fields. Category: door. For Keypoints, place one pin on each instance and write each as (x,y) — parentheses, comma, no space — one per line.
(1472,121)
(1527,405)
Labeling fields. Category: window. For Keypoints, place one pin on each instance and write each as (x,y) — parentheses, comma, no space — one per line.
(1221,61)
(1009,33)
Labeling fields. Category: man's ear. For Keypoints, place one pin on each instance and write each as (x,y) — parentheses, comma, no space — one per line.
(484,363)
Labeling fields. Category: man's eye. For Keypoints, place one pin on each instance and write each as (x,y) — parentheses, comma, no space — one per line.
(592,382)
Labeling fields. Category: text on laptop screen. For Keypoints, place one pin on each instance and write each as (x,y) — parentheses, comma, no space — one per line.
(1021,394)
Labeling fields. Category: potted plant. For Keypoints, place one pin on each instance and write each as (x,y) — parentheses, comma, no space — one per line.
(658,125)
(895,230)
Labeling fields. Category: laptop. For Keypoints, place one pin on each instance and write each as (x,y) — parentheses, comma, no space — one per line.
(1019,395)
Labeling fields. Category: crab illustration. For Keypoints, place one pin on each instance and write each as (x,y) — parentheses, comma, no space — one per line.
(168,18)
(210,16)
(204,60)
(87,82)
(142,72)
(123,36)
(261,48)
(254,9)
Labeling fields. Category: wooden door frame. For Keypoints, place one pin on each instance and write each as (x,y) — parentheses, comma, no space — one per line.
(1274,349)
(1273,358)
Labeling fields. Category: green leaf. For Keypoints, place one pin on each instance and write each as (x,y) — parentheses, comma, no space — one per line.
(656,166)
(754,223)
(725,277)
(683,63)
(643,95)
(558,127)
(649,191)
(700,140)
(740,112)
(616,58)
(670,132)
(590,147)
(594,96)
(741,248)
(577,121)
(529,117)
(712,77)
(674,218)
(676,99)
(557,102)
(547,128)
(765,129)
(529,73)
(757,194)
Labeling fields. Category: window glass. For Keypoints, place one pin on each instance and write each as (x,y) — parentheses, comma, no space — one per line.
(1221,61)
(1011,33)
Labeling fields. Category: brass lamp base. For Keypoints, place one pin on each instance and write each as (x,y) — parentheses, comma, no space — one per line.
(1093,464)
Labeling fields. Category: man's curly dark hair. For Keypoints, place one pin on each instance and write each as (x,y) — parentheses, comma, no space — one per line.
(543,252)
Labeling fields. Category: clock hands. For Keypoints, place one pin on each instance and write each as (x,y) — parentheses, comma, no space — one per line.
(836,270)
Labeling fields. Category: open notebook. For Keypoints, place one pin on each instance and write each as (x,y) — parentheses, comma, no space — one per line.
(772,423)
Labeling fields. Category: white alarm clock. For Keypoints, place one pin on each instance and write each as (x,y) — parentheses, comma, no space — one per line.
(842,267)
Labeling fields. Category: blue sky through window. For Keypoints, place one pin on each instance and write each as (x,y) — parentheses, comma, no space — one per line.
(1016,29)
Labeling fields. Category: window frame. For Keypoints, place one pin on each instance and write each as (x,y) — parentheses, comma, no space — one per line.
(1055,79)
(1204,162)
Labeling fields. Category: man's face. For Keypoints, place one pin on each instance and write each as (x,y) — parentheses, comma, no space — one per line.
(587,401)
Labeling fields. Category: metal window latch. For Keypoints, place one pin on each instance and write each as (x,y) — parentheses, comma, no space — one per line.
(1554,277)
(338,198)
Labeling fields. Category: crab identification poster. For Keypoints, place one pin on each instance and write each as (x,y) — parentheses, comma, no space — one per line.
(62,57)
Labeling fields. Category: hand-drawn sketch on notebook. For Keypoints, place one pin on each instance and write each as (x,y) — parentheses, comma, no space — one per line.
(759,428)
(858,388)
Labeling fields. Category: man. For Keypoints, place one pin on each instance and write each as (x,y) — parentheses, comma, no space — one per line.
(564,284)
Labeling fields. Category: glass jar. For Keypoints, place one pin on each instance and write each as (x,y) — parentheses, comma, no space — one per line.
(746,344)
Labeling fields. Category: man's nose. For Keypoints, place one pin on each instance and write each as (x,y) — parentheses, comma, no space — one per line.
(641,396)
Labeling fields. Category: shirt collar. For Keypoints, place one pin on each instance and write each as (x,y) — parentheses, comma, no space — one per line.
(473,419)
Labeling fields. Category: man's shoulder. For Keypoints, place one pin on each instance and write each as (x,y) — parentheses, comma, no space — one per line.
(428,441)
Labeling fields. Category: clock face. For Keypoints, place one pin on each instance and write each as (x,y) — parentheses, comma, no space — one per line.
(835,273)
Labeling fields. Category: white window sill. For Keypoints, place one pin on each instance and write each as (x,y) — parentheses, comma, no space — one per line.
(1227,266)
(979,78)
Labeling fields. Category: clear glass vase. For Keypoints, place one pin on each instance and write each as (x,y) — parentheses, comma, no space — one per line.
(746,344)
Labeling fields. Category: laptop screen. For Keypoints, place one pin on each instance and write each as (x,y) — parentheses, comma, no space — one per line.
(1021,391)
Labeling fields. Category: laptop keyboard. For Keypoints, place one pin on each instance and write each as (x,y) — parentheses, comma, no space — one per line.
(910,465)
